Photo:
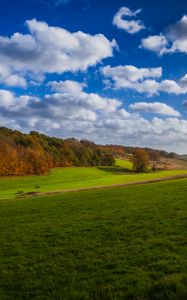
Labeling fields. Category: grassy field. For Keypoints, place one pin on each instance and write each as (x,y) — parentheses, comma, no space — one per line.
(118,243)
(74,178)
(126,164)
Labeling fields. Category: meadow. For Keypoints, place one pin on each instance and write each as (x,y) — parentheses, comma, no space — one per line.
(61,179)
(116,243)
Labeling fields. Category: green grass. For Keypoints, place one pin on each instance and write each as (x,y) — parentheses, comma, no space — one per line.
(75,178)
(118,243)
(126,164)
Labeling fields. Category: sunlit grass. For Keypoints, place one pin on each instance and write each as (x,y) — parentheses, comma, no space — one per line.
(119,243)
(77,177)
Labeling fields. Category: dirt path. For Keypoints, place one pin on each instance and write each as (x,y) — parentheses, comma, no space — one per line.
(169,178)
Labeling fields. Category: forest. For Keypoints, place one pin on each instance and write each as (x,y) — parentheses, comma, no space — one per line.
(36,153)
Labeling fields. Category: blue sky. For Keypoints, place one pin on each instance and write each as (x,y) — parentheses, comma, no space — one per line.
(111,71)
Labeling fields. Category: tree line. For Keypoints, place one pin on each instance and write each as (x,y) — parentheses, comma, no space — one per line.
(36,153)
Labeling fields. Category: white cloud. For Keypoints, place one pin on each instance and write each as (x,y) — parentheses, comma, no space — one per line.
(68,102)
(71,93)
(174,39)
(154,107)
(155,43)
(7,98)
(178,30)
(71,111)
(171,87)
(8,78)
(130,24)
(48,49)
(131,73)
(143,80)
(67,86)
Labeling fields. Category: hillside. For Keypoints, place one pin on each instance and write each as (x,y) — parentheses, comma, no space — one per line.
(76,178)
(36,153)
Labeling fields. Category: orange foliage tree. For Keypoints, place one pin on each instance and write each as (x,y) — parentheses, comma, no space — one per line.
(140,160)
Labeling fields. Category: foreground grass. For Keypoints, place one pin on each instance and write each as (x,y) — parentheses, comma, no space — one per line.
(74,178)
(118,243)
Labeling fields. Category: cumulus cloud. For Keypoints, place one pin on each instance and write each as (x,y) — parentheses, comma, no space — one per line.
(48,49)
(126,19)
(173,40)
(72,93)
(9,78)
(67,102)
(68,86)
(68,110)
(143,80)
(131,73)
(156,43)
(154,107)
(168,134)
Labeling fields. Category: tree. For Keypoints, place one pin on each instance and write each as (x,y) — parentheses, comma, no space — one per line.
(108,160)
(9,163)
(154,157)
(140,160)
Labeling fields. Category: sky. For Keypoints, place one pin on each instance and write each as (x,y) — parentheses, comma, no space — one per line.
(111,71)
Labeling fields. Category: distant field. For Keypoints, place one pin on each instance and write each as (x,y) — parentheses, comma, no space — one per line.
(73,178)
(126,164)
(119,243)
(173,163)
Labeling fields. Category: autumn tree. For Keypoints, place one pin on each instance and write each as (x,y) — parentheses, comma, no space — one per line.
(154,157)
(140,160)
(9,159)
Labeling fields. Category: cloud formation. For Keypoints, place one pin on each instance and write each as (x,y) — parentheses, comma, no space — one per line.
(173,40)
(126,19)
(143,80)
(154,107)
(9,78)
(68,110)
(48,49)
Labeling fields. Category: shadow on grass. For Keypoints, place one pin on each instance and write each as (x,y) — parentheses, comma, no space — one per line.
(116,170)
